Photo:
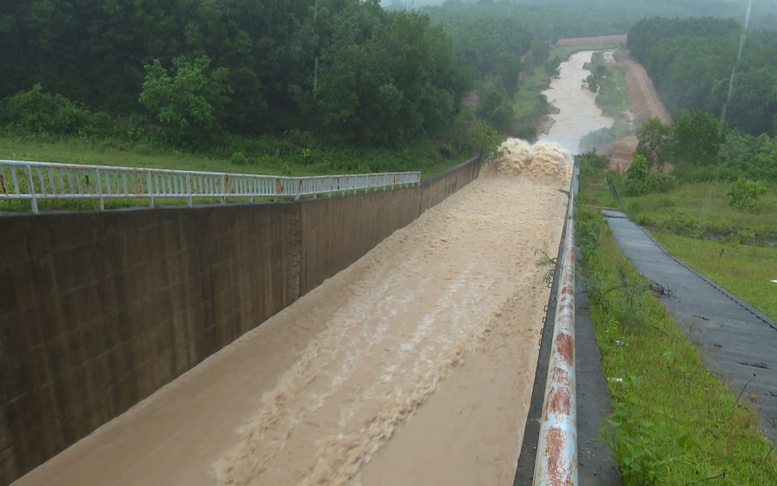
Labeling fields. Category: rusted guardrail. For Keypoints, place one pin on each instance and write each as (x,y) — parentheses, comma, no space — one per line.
(34,181)
(557,462)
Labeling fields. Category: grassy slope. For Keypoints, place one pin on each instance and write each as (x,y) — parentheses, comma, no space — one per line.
(69,151)
(613,94)
(684,219)
(74,151)
(676,423)
(702,208)
(742,269)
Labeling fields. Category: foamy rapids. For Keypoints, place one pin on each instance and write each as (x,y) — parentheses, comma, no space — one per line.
(418,304)
(541,160)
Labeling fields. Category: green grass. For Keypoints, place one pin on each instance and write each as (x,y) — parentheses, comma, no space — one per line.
(702,209)
(731,246)
(675,422)
(81,152)
(742,269)
(613,93)
(422,155)
(84,153)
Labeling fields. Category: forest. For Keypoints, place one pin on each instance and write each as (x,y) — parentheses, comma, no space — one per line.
(339,67)
(690,62)
(287,82)
(558,19)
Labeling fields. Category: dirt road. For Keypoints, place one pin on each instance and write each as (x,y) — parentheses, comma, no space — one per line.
(413,366)
(643,97)
(644,102)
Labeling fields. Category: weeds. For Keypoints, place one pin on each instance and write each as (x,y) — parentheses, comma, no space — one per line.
(635,442)
(673,422)
(549,263)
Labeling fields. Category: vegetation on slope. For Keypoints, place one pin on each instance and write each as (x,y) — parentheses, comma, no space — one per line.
(673,422)
(690,62)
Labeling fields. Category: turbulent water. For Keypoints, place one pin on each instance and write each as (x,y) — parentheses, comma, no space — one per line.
(433,296)
(415,365)
(578,114)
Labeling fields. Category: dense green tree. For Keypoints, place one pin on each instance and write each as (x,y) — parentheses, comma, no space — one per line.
(399,84)
(498,111)
(509,67)
(691,62)
(190,98)
(696,138)
(654,142)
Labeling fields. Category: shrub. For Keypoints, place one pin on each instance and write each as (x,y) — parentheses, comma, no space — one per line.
(637,175)
(661,182)
(640,180)
(744,193)
(37,112)
(143,149)
(239,158)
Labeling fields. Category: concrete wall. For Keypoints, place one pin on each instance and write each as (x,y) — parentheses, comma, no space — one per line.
(339,231)
(99,310)
(439,187)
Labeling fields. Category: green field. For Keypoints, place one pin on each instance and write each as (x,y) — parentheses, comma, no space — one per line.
(423,155)
(734,247)
(80,152)
(744,270)
(675,422)
(702,209)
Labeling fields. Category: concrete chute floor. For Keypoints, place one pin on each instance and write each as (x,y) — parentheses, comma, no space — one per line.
(413,366)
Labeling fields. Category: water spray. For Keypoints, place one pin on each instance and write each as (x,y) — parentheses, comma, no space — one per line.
(736,63)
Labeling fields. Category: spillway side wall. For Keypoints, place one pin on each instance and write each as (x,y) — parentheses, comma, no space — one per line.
(100,310)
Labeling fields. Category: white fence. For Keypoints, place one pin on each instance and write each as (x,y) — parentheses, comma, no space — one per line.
(35,181)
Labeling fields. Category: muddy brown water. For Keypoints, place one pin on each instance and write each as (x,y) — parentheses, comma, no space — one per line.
(578,114)
(413,366)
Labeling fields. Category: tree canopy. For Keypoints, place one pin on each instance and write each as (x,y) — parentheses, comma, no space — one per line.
(344,67)
(691,62)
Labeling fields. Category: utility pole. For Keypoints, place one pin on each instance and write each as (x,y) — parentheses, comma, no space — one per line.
(315,66)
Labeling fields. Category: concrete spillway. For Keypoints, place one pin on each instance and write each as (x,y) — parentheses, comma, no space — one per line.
(412,366)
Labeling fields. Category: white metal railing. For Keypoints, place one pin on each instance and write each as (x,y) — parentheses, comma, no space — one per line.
(34,181)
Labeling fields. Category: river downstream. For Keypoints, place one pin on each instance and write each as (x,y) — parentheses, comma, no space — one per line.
(578,114)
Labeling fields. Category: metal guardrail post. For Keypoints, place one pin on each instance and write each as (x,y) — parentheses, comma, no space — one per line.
(189,189)
(150,189)
(31,186)
(99,189)
(557,460)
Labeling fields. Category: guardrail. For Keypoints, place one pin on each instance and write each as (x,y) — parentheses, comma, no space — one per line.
(557,461)
(34,181)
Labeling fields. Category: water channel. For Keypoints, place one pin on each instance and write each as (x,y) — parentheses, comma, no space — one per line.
(578,114)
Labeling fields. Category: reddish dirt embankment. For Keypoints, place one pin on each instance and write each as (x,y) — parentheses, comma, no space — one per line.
(644,102)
